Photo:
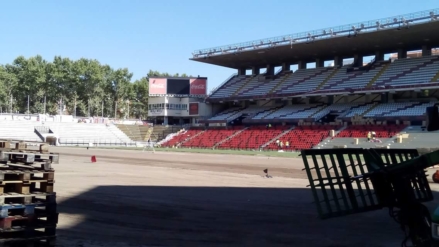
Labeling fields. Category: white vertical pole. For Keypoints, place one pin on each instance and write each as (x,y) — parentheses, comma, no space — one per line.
(44,105)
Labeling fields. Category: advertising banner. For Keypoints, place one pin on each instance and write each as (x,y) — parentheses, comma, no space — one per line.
(193,108)
(157,86)
(198,86)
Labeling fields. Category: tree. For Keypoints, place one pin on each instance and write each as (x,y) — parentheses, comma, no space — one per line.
(8,83)
(85,87)
(31,77)
(140,100)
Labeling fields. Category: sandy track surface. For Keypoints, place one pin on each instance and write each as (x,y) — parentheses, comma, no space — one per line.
(130,198)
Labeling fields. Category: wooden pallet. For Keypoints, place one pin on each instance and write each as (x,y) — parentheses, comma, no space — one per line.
(25,210)
(34,167)
(39,236)
(24,182)
(21,223)
(26,199)
(25,146)
(27,157)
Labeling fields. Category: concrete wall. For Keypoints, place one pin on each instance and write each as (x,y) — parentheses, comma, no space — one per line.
(204,110)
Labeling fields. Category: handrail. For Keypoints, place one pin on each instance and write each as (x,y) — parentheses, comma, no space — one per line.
(100,142)
(326,33)
(329,91)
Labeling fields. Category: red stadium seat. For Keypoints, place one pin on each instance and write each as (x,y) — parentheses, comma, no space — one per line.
(360,131)
(303,137)
(253,137)
(210,137)
(180,138)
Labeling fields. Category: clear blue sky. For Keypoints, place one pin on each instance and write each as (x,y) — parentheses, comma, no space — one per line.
(161,35)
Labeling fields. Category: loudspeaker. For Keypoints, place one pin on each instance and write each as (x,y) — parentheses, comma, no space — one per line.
(432,118)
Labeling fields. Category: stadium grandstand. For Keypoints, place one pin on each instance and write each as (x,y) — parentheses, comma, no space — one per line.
(366,84)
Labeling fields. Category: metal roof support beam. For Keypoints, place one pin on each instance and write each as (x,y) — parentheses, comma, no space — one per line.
(320,63)
(358,60)
(338,61)
(286,66)
(255,71)
(270,69)
(402,53)
(301,65)
(241,71)
(379,56)
(426,50)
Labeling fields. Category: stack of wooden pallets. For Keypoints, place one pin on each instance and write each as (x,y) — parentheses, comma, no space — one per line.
(28,208)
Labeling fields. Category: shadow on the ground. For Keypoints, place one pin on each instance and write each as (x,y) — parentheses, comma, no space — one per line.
(219,216)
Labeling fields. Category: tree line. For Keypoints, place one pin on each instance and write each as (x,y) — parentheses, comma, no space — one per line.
(83,87)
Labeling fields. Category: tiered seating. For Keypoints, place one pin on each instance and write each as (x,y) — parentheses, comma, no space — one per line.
(132,131)
(304,137)
(335,80)
(298,77)
(250,86)
(181,137)
(266,87)
(417,110)
(119,134)
(358,79)
(409,71)
(234,113)
(291,112)
(82,134)
(253,138)
(312,83)
(360,131)
(230,87)
(386,109)
(333,108)
(226,114)
(209,138)
(358,110)
(305,113)
(19,130)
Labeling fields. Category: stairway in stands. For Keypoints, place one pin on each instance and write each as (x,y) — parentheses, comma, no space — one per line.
(383,69)
(243,85)
(210,137)
(182,137)
(281,82)
(327,79)
(252,138)
(303,137)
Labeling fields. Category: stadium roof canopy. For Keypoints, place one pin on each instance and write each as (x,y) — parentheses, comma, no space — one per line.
(386,35)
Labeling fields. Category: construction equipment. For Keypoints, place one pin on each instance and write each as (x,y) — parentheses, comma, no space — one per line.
(350,181)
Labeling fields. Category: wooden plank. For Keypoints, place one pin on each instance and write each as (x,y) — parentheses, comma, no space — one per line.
(24,210)
(30,220)
(25,199)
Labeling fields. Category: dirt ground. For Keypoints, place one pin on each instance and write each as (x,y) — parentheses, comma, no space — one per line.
(131,198)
